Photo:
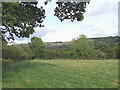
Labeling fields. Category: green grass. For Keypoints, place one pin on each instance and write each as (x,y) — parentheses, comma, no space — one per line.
(62,74)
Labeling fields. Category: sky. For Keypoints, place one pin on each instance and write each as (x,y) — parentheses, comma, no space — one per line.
(100,20)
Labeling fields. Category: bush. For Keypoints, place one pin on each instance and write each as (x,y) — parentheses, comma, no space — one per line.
(100,54)
(83,47)
(107,49)
(29,52)
(15,53)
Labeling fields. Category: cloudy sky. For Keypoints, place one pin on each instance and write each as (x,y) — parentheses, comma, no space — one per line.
(100,20)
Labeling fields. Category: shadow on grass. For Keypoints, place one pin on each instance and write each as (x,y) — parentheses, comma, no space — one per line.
(22,65)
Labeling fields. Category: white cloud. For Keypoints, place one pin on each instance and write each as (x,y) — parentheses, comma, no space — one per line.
(98,8)
(100,19)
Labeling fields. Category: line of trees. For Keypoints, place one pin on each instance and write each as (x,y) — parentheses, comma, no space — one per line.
(84,48)
(80,48)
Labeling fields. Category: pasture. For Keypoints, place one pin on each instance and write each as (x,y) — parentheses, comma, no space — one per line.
(62,74)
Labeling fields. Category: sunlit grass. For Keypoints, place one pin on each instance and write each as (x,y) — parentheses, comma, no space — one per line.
(62,74)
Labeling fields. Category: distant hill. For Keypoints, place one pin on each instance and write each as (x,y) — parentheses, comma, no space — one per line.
(20,45)
(54,45)
(111,40)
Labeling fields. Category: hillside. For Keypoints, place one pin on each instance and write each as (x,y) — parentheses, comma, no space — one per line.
(112,41)
(53,45)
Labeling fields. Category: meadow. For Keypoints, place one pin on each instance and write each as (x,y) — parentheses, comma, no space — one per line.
(62,74)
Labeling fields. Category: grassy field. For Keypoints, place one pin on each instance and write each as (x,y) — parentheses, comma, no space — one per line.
(62,74)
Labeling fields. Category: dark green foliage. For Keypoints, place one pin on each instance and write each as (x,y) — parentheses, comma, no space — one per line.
(70,10)
(15,53)
(35,49)
(105,48)
(80,48)
(37,46)
(83,47)
(112,41)
(20,19)
(117,51)
(58,54)
(29,52)
(99,54)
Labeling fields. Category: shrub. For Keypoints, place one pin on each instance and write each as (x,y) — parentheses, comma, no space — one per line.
(15,53)
(100,54)
(29,52)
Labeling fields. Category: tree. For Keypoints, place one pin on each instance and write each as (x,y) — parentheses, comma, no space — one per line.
(83,47)
(72,11)
(15,53)
(29,52)
(105,48)
(37,47)
(20,19)
(117,52)
(99,54)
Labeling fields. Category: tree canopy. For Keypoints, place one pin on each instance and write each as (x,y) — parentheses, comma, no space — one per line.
(83,47)
(37,46)
(21,18)
(68,10)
